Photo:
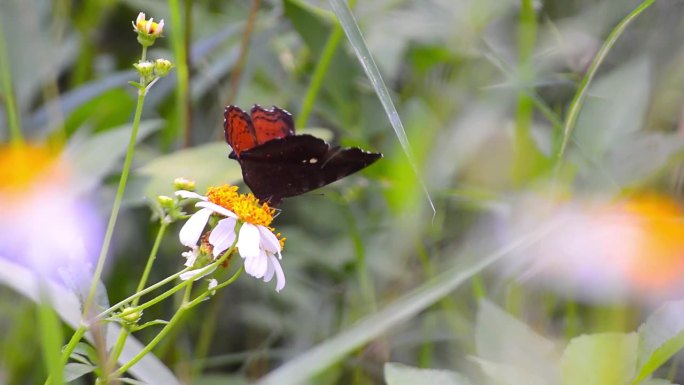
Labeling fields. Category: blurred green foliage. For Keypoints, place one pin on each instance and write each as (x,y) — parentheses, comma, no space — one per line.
(480,94)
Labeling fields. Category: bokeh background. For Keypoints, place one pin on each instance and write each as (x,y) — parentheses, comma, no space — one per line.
(484,89)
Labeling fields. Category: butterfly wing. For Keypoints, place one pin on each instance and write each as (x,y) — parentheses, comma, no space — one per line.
(296,164)
(271,124)
(238,130)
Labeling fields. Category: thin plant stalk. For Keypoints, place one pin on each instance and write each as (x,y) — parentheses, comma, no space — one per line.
(13,120)
(580,95)
(116,206)
(51,339)
(322,66)
(180,52)
(186,305)
(125,332)
(351,29)
(239,66)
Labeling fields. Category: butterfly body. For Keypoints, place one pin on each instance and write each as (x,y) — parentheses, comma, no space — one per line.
(276,163)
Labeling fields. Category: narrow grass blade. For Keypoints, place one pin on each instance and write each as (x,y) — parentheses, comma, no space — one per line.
(351,29)
(580,95)
(317,359)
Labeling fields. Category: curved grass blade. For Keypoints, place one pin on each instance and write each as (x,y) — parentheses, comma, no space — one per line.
(351,29)
(580,95)
(320,357)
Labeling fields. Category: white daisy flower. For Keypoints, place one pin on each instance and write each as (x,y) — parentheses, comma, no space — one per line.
(256,243)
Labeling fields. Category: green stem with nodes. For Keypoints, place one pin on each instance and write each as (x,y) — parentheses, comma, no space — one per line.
(119,194)
(78,334)
(125,331)
(139,294)
(16,138)
(187,305)
(117,205)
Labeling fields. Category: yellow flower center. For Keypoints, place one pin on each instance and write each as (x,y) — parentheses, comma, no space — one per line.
(245,206)
(147,26)
(21,166)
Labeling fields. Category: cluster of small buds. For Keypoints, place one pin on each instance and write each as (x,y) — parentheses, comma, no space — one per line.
(170,209)
(148,31)
(150,70)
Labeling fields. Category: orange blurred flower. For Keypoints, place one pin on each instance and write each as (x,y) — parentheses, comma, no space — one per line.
(44,225)
(604,250)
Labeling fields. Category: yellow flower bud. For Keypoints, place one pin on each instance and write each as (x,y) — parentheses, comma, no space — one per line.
(162,67)
(184,184)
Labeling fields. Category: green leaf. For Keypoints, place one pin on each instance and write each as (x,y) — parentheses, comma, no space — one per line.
(504,374)
(66,304)
(312,24)
(84,353)
(599,359)
(208,165)
(74,370)
(99,155)
(400,374)
(322,356)
(503,339)
(660,337)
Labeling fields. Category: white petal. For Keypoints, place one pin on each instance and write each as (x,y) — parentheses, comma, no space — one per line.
(248,241)
(223,235)
(192,229)
(250,264)
(268,240)
(190,274)
(270,270)
(191,256)
(217,209)
(212,283)
(185,194)
(280,275)
(257,266)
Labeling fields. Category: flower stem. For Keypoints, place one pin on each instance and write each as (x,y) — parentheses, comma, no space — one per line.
(16,138)
(125,331)
(116,206)
(51,338)
(186,305)
(139,294)
(204,295)
(179,45)
(162,333)
(319,74)
(150,261)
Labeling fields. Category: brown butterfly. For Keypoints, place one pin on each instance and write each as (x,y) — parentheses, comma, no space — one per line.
(276,163)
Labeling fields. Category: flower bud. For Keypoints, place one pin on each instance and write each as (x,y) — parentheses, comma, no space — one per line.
(167,203)
(184,184)
(148,31)
(130,315)
(162,67)
(145,68)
